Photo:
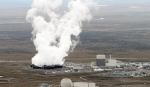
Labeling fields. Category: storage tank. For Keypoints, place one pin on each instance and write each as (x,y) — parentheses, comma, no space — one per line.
(66,82)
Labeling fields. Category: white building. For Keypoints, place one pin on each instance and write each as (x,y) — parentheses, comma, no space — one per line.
(102,61)
(93,64)
(66,82)
(111,62)
(83,84)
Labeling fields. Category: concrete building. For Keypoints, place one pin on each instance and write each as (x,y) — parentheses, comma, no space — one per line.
(68,83)
(111,62)
(93,64)
(83,84)
(130,73)
(101,60)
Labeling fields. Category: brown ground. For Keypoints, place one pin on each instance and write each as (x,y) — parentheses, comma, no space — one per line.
(19,74)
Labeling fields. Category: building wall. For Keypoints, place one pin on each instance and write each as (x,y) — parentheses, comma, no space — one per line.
(100,62)
(83,84)
(91,84)
(93,64)
(100,56)
(111,62)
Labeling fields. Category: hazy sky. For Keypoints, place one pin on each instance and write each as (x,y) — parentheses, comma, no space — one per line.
(124,11)
(12,3)
(17,3)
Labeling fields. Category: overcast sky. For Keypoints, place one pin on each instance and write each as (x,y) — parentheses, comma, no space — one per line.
(27,3)
(16,3)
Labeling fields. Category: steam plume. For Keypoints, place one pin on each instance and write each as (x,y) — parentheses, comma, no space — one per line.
(52,32)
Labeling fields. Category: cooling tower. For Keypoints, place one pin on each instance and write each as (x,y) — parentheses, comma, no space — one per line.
(46,67)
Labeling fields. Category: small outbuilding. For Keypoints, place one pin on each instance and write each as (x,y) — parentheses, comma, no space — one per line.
(44,85)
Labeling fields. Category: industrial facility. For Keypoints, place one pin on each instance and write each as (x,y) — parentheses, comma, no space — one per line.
(108,66)
(66,82)
(101,61)
(130,73)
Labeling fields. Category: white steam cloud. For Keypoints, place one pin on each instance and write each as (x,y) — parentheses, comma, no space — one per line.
(52,31)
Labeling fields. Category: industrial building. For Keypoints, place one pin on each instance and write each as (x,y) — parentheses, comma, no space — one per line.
(100,60)
(130,73)
(93,64)
(83,84)
(111,62)
(66,82)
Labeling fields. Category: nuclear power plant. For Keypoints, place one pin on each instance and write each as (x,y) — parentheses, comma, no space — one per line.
(100,62)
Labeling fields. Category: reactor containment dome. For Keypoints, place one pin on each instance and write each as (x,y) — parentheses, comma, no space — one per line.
(66,82)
